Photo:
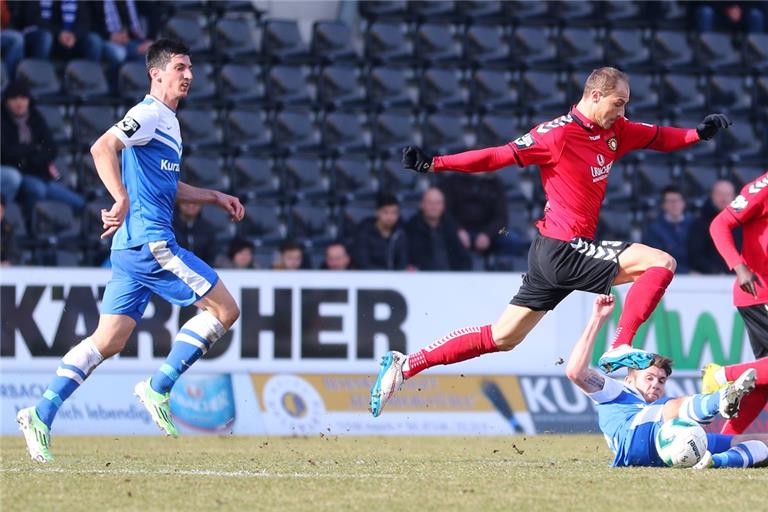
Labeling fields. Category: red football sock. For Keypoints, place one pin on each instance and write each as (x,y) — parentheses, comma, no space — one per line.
(642,298)
(750,408)
(732,372)
(459,345)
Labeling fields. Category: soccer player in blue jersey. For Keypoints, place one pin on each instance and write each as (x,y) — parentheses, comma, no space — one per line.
(145,256)
(631,412)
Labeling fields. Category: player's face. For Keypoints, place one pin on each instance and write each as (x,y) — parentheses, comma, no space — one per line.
(610,107)
(177,76)
(650,382)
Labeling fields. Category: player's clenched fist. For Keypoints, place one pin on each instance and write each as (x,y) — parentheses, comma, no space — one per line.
(709,126)
(414,158)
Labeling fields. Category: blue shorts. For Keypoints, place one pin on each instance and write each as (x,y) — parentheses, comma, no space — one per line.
(161,267)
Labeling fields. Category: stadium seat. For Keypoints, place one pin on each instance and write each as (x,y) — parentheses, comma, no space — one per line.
(294,130)
(202,91)
(54,224)
(618,189)
(343,132)
(696,180)
(628,47)
(350,218)
(241,84)
(263,221)
(480,10)
(90,122)
(14,216)
(205,171)
(644,96)
(443,133)
(88,179)
(312,222)
(339,86)
(199,128)
(4,78)
(351,178)
(220,221)
(236,37)
(255,177)
(395,180)
(514,182)
(440,89)
(436,43)
(383,9)
(386,42)
(132,81)
(741,142)
(85,80)
(649,180)
(392,130)
(40,75)
(223,7)
(436,10)
(623,13)
(581,48)
(528,13)
(248,130)
(682,93)
(716,53)
(580,14)
(387,87)
(95,249)
(615,224)
(495,130)
(493,90)
(56,119)
(755,52)
(745,173)
(332,43)
(190,28)
(671,51)
(535,47)
(761,91)
(281,41)
(486,45)
(541,90)
(730,93)
(287,85)
(304,178)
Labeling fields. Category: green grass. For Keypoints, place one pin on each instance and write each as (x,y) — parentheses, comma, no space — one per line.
(545,472)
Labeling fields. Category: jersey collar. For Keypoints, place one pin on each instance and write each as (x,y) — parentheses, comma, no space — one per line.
(582,120)
(161,103)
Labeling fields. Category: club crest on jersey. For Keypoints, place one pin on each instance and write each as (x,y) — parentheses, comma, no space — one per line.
(613,144)
(524,141)
(128,126)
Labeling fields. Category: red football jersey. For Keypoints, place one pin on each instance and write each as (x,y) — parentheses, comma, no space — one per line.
(750,211)
(575,157)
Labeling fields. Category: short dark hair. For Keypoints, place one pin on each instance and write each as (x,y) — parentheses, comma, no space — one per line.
(17,89)
(386,199)
(290,245)
(659,361)
(237,244)
(161,51)
(670,189)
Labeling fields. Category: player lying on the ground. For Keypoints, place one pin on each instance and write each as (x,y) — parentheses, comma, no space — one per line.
(631,412)
(715,376)
(575,153)
(749,211)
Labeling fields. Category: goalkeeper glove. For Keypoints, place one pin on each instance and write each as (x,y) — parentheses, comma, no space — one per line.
(414,158)
(709,126)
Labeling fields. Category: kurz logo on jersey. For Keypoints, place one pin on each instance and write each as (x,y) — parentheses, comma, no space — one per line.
(166,165)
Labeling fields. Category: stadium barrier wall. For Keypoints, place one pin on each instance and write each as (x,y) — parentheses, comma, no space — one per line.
(304,353)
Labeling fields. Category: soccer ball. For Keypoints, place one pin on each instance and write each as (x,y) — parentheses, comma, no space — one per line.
(681,443)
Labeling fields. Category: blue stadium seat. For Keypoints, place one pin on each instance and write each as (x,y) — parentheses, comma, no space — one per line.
(61,128)
(263,221)
(650,178)
(287,85)
(387,87)
(281,42)
(487,45)
(294,131)
(744,173)
(95,249)
(248,130)
(132,81)
(200,128)
(480,10)
(579,14)
(437,44)
(304,177)
(312,222)
(236,37)
(741,142)
(220,222)
(755,52)
(40,75)
(436,10)
(581,48)
(339,86)
(716,53)
(623,13)
(255,177)
(628,47)
(493,90)
(542,91)
(730,93)
(85,80)
(205,170)
(202,90)
(351,178)
(191,29)
(88,180)
(443,133)
(535,47)
(644,96)
(441,89)
(672,52)
(241,84)
(54,225)
(392,130)
(90,122)
(343,132)
(495,130)
(528,13)
(386,42)
(615,224)
(383,9)
(404,183)
(683,93)
(332,43)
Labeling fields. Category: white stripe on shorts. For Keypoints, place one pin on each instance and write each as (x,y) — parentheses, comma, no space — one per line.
(173,263)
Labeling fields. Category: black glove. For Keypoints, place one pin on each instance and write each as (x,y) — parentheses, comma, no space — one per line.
(709,126)
(414,158)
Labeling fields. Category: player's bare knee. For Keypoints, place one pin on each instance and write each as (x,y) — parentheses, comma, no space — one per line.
(667,261)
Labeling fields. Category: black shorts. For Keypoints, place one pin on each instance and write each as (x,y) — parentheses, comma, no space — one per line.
(556,268)
(756,321)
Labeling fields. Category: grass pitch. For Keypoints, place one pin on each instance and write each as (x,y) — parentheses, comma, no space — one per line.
(545,472)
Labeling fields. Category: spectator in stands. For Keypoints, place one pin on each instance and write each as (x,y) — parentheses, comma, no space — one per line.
(669,231)
(703,257)
(291,256)
(27,146)
(433,237)
(728,16)
(11,40)
(193,232)
(59,29)
(380,242)
(479,205)
(239,255)
(336,257)
(8,254)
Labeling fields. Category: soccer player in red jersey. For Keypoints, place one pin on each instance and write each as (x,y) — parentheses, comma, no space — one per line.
(750,294)
(575,153)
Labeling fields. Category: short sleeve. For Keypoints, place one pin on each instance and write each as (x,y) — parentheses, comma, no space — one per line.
(532,149)
(611,389)
(137,127)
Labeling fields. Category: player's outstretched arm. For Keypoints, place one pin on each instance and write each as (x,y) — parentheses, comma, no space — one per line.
(577,369)
(186,193)
(104,152)
(479,160)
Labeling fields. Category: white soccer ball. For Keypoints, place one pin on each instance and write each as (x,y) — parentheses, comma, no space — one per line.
(681,443)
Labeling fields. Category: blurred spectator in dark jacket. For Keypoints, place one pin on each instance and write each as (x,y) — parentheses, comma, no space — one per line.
(433,237)
(28,147)
(478,204)
(670,230)
(193,232)
(11,40)
(380,241)
(59,28)
(336,257)
(729,16)
(703,258)
(8,254)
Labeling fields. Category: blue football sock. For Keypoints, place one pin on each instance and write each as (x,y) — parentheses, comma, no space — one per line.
(74,368)
(193,340)
(701,408)
(742,455)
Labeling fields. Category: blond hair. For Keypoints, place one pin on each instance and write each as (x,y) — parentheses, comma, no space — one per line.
(604,80)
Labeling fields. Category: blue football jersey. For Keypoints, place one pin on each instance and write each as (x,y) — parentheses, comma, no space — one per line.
(150,172)
(629,423)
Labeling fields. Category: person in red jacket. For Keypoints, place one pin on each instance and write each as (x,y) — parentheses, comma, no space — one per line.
(575,153)
(750,294)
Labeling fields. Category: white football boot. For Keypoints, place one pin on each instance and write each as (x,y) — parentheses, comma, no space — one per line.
(389,381)
(731,395)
